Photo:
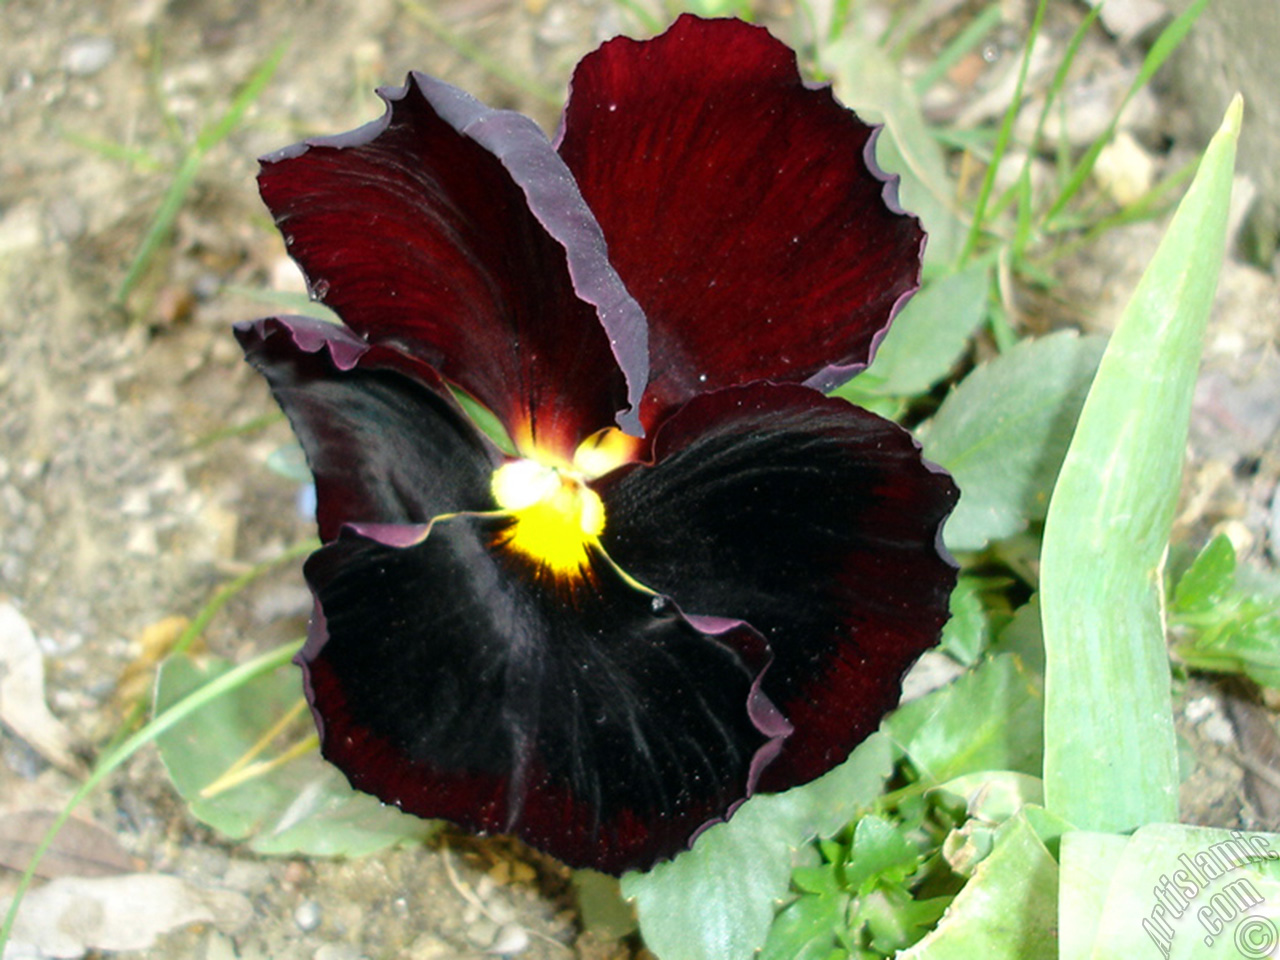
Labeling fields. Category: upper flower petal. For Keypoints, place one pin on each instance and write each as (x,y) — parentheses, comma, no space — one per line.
(589,717)
(456,232)
(742,208)
(815,522)
(384,439)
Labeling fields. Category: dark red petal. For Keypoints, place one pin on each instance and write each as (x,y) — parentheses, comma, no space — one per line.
(384,439)
(456,233)
(812,520)
(586,716)
(743,209)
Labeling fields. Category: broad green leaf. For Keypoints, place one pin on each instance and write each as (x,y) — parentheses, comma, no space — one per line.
(304,806)
(928,338)
(868,81)
(1007,910)
(717,900)
(988,719)
(1110,755)
(1004,430)
(1088,863)
(1186,893)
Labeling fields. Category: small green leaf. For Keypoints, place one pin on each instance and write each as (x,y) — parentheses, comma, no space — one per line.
(1108,714)
(820,880)
(966,634)
(1023,637)
(880,853)
(1209,579)
(1004,431)
(806,928)
(988,719)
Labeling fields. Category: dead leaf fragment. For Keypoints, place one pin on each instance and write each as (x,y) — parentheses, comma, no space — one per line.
(22,706)
(70,916)
(153,644)
(82,849)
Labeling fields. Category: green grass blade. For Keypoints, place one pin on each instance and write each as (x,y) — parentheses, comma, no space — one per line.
(160,226)
(136,157)
(1003,138)
(227,591)
(1168,41)
(966,40)
(259,665)
(213,134)
(176,194)
(642,16)
(1110,755)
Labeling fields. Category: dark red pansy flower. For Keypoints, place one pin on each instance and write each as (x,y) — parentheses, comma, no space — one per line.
(698,577)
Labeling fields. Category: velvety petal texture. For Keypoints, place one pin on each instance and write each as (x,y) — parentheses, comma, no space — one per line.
(743,209)
(814,521)
(455,233)
(603,644)
(384,439)
(588,716)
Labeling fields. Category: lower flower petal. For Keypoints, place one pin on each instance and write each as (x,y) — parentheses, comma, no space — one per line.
(589,717)
(812,520)
(384,439)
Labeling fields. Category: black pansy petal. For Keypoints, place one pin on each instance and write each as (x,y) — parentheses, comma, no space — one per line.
(384,438)
(581,713)
(813,521)
(456,233)
(743,209)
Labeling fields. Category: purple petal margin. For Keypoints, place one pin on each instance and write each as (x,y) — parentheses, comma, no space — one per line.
(557,203)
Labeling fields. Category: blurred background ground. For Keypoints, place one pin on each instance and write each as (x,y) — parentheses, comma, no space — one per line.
(116,513)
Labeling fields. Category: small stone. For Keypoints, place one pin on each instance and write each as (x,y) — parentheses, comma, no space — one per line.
(510,940)
(218,946)
(67,217)
(1125,170)
(296,872)
(85,56)
(338,951)
(428,947)
(20,228)
(1273,527)
(307,916)
(482,932)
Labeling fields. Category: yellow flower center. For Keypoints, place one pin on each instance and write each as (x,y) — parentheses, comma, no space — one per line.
(556,515)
